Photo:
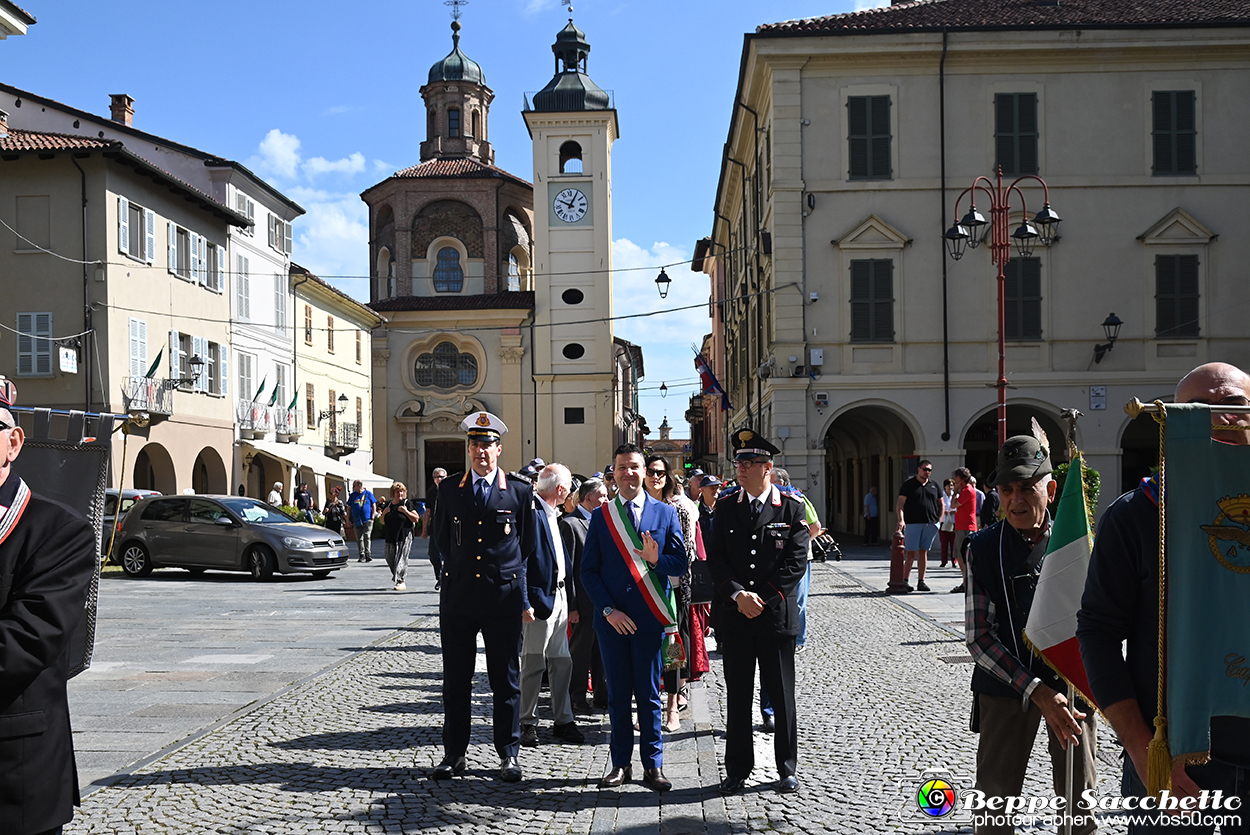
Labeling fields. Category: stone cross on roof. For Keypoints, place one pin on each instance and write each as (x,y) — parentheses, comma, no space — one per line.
(455,7)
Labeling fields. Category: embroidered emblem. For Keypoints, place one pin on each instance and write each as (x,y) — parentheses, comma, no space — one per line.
(483,419)
(1232,527)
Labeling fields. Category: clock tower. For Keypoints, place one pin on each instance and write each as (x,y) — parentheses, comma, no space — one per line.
(579,402)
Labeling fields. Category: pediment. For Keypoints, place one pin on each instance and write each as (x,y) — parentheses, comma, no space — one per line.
(1177,227)
(873,233)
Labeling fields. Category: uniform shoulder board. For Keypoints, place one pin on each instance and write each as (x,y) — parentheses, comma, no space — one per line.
(728,491)
(793,494)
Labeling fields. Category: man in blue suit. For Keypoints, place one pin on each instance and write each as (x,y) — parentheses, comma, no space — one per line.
(634,544)
(484,527)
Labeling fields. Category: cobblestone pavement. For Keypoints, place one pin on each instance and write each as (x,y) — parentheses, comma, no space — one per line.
(883,694)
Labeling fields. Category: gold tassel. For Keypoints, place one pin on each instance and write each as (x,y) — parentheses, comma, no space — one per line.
(1159,760)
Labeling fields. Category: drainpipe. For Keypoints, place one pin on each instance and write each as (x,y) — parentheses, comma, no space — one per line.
(295,337)
(946,358)
(86,286)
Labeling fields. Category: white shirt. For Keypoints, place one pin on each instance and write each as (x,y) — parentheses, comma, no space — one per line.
(489,478)
(638,502)
(553,524)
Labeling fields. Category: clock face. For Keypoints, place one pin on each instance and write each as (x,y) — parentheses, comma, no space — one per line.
(570,205)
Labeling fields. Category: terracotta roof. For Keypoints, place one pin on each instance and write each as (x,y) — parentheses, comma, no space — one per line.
(933,15)
(26,141)
(460,168)
(297,271)
(515,300)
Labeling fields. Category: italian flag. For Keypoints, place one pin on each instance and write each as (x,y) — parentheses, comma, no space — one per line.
(1051,629)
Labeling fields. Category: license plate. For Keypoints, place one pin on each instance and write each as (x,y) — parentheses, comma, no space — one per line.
(334,555)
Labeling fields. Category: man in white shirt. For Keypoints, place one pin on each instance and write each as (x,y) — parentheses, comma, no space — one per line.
(545,642)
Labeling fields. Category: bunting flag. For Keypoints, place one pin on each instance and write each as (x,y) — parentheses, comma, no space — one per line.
(709,382)
(1206,573)
(260,390)
(293,399)
(1051,628)
(156,363)
(273,400)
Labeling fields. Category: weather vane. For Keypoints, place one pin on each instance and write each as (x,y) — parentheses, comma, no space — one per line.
(455,7)
(568,3)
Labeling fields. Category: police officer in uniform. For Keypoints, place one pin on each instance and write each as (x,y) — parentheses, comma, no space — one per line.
(757,556)
(484,528)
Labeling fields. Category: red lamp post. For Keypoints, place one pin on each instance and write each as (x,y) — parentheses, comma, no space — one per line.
(970,231)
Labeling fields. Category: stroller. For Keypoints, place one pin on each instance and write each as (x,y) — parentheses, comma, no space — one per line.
(825,548)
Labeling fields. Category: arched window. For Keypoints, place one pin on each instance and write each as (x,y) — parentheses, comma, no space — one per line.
(453,123)
(448,276)
(570,158)
(514,273)
(477,124)
(445,368)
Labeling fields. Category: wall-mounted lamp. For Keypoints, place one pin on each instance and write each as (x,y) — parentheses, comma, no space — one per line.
(196,365)
(662,281)
(342,400)
(1110,327)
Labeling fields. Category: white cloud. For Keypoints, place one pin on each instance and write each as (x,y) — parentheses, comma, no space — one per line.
(279,154)
(861,5)
(382,166)
(536,6)
(353,164)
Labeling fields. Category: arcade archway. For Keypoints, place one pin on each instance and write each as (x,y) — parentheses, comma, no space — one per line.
(865,446)
(154,470)
(980,440)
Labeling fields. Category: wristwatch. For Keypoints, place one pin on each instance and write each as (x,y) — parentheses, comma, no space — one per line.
(607,610)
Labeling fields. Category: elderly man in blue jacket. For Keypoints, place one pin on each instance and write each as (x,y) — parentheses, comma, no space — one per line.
(634,544)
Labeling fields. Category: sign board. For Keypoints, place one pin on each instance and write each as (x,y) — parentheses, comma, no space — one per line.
(1097,398)
(69,360)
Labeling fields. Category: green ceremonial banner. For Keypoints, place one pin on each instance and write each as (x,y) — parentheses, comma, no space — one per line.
(156,363)
(260,390)
(1206,498)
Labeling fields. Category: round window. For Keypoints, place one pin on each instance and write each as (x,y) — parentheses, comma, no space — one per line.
(573,296)
(574,351)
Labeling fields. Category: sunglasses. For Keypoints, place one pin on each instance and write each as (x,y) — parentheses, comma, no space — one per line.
(926,469)
(657,472)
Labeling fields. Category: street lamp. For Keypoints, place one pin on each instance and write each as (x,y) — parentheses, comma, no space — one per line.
(1110,327)
(661,283)
(663,389)
(196,365)
(329,412)
(970,231)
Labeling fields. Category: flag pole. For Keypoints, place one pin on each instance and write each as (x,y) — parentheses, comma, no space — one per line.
(1070,755)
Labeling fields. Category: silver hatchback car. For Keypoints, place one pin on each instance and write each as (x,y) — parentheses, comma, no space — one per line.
(225,533)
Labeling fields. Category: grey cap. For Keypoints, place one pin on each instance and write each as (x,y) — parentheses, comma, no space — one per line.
(1022,458)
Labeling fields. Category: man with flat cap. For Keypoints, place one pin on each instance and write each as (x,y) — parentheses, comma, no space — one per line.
(484,528)
(1013,689)
(757,556)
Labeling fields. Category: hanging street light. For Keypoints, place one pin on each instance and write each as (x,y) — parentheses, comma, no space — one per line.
(661,283)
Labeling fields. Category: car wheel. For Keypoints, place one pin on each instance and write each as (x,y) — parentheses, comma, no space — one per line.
(135,560)
(260,563)
(320,575)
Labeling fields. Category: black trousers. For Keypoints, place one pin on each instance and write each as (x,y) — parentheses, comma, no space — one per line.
(502,636)
(775,657)
(872,530)
(587,663)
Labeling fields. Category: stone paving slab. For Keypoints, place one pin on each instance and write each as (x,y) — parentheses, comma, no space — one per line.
(349,750)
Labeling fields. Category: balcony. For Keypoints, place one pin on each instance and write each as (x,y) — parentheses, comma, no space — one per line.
(147,394)
(288,423)
(342,439)
(254,419)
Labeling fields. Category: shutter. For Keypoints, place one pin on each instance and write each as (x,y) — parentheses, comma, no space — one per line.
(1187,295)
(25,344)
(861,303)
(880,117)
(1161,105)
(1031,299)
(202,352)
(271,219)
(857,120)
(286,237)
(175,355)
(196,274)
(1186,136)
(43,347)
(123,225)
(1026,133)
(173,246)
(223,369)
(1004,131)
(883,300)
(221,269)
(149,236)
(1165,295)
(136,361)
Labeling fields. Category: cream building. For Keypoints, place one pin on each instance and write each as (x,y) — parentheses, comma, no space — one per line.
(851,138)
(95,227)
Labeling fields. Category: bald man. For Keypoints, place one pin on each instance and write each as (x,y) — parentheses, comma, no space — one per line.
(1121,604)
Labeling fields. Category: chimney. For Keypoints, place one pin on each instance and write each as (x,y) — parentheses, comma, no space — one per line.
(4,124)
(122,107)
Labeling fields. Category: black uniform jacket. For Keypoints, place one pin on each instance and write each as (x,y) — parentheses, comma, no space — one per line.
(485,549)
(573,528)
(767,557)
(46,564)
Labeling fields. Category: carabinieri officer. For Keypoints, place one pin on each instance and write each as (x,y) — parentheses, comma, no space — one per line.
(757,556)
(484,528)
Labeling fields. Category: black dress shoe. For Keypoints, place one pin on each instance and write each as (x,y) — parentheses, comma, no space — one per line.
(529,736)
(509,770)
(654,778)
(768,725)
(733,785)
(448,768)
(569,733)
(616,777)
(582,708)
(788,785)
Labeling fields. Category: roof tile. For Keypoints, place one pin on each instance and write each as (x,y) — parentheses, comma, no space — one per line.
(459,168)
(28,141)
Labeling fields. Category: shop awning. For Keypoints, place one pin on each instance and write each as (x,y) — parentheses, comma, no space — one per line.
(321,465)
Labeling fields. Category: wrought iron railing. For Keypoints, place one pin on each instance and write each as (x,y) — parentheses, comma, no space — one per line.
(147,394)
(288,422)
(343,436)
(253,417)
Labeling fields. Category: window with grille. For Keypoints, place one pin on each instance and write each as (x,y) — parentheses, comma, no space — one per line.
(1175,132)
(872,300)
(1015,132)
(1022,299)
(448,275)
(868,119)
(446,367)
(1176,296)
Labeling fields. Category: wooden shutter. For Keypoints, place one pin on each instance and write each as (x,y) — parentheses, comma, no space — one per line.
(175,355)
(221,269)
(196,274)
(1186,132)
(1004,131)
(149,236)
(868,123)
(223,369)
(882,300)
(1175,138)
(1022,299)
(138,347)
(857,120)
(1015,132)
(286,237)
(1176,296)
(43,347)
(173,245)
(243,289)
(861,303)
(25,343)
(880,124)
(123,226)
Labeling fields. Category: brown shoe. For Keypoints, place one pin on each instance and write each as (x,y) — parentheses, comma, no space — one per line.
(616,777)
(654,778)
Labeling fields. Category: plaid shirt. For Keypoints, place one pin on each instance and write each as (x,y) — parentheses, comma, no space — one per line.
(981,632)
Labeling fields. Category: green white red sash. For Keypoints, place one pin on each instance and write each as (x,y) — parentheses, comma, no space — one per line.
(654,589)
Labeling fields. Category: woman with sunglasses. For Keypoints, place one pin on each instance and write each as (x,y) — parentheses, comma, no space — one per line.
(662,486)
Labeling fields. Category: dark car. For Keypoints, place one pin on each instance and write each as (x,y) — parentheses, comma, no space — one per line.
(115,508)
(225,533)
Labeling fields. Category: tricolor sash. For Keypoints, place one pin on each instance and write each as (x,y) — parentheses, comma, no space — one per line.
(659,597)
(11,515)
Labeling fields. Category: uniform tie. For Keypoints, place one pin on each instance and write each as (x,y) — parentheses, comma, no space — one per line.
(756,506)
(480,490)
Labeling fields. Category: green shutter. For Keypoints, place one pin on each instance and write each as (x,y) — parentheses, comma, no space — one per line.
(1015,132)
(1004,131)
(1022,299)
(857,118)
(868,137)
(861,301)
(880,112)
(1175,137)
(882,300)
(1187,295)
(1165,295)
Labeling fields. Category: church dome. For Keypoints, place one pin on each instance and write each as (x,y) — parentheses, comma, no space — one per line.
(457,66)
(571,89)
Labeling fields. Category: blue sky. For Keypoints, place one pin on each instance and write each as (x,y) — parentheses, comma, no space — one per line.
(323,100)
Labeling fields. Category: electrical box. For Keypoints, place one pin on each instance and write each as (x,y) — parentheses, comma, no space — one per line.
(822,399)
(818,356)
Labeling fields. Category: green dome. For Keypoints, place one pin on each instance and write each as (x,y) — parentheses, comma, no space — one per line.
(457,66)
